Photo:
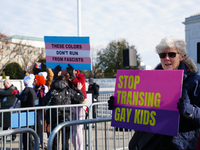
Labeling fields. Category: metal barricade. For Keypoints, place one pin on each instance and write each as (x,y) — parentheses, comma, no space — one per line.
(104,129)
(21,130)
(106,138)
(121,135)
(26,117)
(70,123)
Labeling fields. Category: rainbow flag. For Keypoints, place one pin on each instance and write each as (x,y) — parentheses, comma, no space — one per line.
(38,65)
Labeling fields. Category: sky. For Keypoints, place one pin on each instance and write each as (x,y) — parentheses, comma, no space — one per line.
(143,23)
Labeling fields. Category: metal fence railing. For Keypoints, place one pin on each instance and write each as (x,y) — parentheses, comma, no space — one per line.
(21,130)
(28,117)
(99,131)
(104,141)
(76,122)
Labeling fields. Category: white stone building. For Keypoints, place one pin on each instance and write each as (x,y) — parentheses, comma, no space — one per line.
(24,50)
(192,37)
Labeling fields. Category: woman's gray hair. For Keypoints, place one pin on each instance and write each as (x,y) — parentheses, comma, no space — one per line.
(171,42)
(7,82)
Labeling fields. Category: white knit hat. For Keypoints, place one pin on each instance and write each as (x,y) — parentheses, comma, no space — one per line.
(44,74)
(28,80)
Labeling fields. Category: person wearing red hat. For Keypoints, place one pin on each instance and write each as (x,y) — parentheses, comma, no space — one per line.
(74,77)
(41,89)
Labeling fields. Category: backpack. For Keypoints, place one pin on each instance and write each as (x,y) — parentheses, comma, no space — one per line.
(59,97)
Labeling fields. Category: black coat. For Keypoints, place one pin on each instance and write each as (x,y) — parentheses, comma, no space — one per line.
(71,96)
(7,101)
(10,98)
(27,97)
(95,89)
(75,97)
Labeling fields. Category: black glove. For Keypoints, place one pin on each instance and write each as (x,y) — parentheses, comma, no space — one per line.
(44,65)
(70,70)
(184,108)
(56,70)
(110,103)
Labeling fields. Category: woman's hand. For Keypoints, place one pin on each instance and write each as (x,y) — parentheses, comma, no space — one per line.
(79,86)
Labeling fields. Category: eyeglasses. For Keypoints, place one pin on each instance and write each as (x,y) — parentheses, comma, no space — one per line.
(170,54)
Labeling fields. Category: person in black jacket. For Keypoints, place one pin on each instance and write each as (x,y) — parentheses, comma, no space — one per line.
(61,94)
(7,101)
(27,98)
(93,87)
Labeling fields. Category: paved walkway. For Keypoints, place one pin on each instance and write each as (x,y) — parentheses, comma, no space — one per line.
(9,143)
(113,141)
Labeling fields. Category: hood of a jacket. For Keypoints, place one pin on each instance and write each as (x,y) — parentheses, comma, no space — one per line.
(59,84)
(78,72)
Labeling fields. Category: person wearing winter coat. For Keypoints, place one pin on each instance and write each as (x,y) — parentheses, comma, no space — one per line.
(27,98)
(172,53)
(41,89)
(74,77)
(7,101)
(93,87)
(48,75)
(65,96)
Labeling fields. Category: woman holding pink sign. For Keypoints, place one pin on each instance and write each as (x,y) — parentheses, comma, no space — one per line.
(172,53)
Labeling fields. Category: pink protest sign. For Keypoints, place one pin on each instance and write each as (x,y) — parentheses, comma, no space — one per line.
(146,100)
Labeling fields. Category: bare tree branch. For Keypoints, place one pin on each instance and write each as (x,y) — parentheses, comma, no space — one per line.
(24,54)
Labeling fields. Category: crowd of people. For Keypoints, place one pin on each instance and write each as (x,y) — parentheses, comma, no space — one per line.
(52,87)
(70,88)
